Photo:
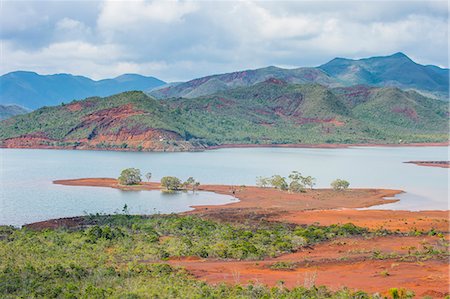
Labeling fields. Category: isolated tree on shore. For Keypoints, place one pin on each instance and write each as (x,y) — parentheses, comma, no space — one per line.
(262,181)
(130,176)
(296,185)
(195,186)
(171,183)
(308,181)
(148,176)
(279,182)
(192,183)
(339,184)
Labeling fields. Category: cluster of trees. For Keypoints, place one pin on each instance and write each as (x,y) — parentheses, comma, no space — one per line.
(133,176)
(296,182)
(171,183)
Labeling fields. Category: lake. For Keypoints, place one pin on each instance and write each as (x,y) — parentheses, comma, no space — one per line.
(28,195)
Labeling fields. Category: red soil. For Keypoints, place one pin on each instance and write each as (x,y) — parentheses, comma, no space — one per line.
(404,221)
(74,107)
(441,164)
(109,130)
(350,262)
(322,206)
(265,199)
(329,145)
(342,262)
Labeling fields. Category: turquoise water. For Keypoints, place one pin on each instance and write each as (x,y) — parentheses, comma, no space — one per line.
(28,195)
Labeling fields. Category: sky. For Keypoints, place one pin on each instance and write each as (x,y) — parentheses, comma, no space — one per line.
(182,40)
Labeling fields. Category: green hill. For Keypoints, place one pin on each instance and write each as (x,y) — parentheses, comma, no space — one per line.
(270,112)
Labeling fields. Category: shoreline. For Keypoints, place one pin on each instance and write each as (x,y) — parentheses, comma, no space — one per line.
(245,145)
(328,145)
(440,164)
(323,206)
(349,260)
(250,196)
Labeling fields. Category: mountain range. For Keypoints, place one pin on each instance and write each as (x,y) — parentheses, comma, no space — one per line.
(388,99)
(7,111)
(396,70)
(270,112)
(31,90)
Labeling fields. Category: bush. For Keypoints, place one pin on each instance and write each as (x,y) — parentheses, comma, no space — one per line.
(296,187)
(96,232)
(279,182)
(171,183)
(130,176)
(339,184)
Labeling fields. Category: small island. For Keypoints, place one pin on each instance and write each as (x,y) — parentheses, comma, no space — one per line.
(441,164)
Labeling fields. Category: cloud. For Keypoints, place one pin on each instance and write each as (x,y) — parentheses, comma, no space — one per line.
(180,40)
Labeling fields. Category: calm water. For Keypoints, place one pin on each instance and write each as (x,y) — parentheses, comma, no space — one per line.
(28,195)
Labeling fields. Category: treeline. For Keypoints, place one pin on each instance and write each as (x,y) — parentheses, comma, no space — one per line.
(296,182)
(133,176)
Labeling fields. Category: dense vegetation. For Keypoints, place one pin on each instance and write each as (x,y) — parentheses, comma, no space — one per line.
(120,256)
(271,112)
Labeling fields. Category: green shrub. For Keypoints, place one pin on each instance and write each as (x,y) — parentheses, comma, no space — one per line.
(339,184)
(130,176)
(171,183)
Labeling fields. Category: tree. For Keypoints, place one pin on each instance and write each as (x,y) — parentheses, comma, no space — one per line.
(296,186)
(171,183)
(279,182)
(262,181)
(308,181)
(190,182)
(339,184)
(130,176)
(295,176)
(148,176)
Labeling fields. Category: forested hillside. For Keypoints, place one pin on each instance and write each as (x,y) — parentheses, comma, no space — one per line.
(270,112)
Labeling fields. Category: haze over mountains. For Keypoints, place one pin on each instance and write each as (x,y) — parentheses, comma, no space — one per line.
(7,111)
(31,90)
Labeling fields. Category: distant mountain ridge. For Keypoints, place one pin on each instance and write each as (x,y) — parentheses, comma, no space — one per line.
(215,83)
(31,90)
(396,70)
(7,111)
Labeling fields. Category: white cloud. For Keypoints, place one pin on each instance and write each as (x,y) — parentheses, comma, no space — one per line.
(121,17)
(180,40)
